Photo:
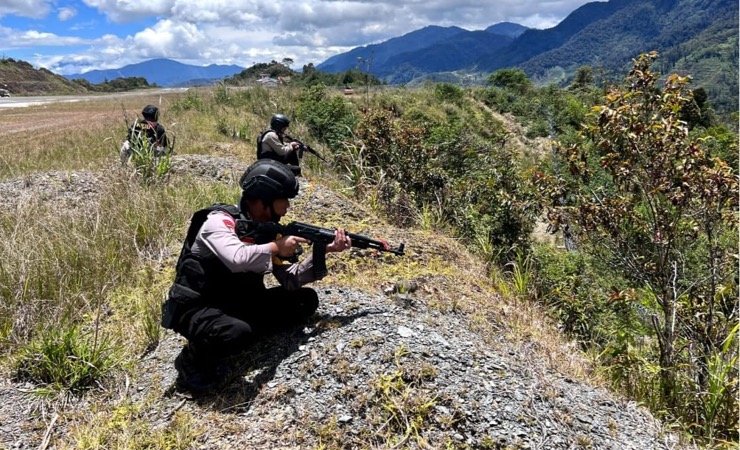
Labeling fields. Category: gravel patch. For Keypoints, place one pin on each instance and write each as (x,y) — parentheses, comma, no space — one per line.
(328,372)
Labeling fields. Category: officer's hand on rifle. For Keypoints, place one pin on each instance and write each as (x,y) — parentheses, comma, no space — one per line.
(341,242)
(285,247)
(295,146)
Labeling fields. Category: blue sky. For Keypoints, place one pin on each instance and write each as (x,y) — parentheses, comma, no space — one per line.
(75,36)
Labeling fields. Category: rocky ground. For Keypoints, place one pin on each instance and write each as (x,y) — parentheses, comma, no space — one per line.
(329,375)
(373,369)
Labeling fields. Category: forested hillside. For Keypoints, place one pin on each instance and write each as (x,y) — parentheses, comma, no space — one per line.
(21,78)
(696,37)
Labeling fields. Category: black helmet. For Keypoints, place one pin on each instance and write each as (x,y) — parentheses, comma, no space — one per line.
(268,180)
(150,113)
(278,122)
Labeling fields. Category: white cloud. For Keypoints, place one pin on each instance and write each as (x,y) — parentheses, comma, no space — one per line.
(66,13)
(125,10)
(16,39)
(247,31)
(170,39)
(35,9)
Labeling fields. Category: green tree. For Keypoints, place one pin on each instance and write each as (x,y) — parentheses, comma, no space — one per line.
(583,78)
(514,79)
(657,204)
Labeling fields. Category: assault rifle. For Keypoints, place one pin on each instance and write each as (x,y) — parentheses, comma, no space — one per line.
(263,232)
(304,148)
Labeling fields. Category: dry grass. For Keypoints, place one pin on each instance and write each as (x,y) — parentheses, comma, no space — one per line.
(150,224)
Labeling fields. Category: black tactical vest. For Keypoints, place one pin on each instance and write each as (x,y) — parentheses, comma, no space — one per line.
(202,281)
(291,159)
(268,154)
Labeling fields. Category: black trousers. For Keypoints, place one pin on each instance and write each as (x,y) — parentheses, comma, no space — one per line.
(218,332)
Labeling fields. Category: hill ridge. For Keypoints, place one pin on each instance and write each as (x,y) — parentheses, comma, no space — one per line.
(163,72)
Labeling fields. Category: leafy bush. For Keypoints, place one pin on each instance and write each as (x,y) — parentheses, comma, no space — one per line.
(191,101)
(514,79)
(328,117)
(493,205)
(589,302)
(445,92)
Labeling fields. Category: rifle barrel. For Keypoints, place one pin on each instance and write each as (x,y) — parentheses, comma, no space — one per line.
(327,235)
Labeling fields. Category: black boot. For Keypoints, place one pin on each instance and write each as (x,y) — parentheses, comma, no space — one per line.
(194,374)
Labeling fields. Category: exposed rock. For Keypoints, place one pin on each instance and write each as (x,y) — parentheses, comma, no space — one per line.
(331,370)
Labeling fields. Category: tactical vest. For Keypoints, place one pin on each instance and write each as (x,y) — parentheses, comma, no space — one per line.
(153,134)
(205,281)
(269,153)
(291,159)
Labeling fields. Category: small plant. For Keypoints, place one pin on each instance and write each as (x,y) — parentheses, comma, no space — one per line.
(150,322)
(65,358)
(446,92)
(150,161)
(521,274)
(127,426)
(192,101)
(404,409)
(722,384)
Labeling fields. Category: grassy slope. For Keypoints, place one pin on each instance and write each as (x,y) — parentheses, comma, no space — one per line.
(22,79)
(151,222)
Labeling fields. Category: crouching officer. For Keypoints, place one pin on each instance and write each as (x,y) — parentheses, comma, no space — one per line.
(274,144)
(218,300)
(148,132)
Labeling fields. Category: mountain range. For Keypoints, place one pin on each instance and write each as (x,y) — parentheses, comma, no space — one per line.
(163,72)
(698,37)
(430,49)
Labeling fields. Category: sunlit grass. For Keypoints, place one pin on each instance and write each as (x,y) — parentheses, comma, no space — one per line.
(60,266)
(126,426)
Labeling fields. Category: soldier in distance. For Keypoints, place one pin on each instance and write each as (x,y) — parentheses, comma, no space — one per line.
(218,300)
(148,131)
(273,144)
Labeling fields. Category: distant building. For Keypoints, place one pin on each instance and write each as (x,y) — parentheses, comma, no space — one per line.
(267,81)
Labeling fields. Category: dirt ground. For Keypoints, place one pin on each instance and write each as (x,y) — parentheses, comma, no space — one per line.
(66,112)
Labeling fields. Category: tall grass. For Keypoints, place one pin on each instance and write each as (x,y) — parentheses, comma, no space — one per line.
(65,357)
(62,267)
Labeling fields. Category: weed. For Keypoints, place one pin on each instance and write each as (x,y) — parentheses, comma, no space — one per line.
(521,275)
(127,426)
(66,358)
(719,392)
(149,161)
(398,406)
(584,441)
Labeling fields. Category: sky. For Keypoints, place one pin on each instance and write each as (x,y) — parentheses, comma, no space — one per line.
(75,36)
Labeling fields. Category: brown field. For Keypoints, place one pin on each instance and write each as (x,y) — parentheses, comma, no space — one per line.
(70,135)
